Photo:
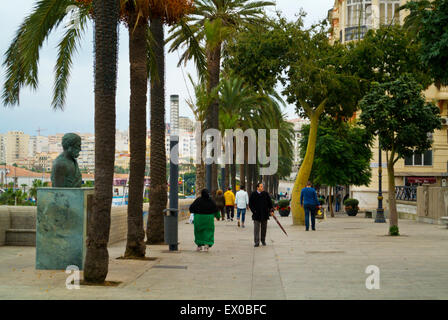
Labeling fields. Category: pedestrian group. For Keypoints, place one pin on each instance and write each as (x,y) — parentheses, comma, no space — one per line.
(205,209)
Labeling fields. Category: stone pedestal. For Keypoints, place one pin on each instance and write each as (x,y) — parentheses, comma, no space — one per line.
(61,227)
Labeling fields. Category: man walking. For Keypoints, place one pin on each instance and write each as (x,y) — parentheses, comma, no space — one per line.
(308,200)
(241,203)
(260,204)
(230,203)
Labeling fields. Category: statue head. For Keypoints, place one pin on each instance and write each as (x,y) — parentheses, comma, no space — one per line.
(71,143)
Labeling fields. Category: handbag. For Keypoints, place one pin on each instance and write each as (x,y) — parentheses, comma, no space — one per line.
(191,220)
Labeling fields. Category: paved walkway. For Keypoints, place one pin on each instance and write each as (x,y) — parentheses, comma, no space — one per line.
(329,263)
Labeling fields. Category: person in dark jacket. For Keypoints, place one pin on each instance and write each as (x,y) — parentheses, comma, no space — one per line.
(309,201)
(260,204)
(220,203)
(204,210)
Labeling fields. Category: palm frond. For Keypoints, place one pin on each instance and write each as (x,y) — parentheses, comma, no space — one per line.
(22,57)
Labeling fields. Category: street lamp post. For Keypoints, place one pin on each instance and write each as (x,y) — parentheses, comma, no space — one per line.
(380,211)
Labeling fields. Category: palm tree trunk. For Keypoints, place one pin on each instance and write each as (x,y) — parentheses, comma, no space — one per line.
(330,201)
(226,179)
(213,68)
(135,246)
(106,48)
(249,177)
(233,167)
(158,187)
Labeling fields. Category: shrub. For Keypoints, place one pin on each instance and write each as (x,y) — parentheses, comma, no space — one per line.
(393,231)
(283,204)
(352,203)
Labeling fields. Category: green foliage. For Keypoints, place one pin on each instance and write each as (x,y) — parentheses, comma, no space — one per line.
(283,203)
(383,56)
(394,231)
(257,54)
(399,114)
(428,22)
(88,184)
(121,170)
(350,202)
(317,74)
(342,156)
(22,57)
(12,197)
(37,184)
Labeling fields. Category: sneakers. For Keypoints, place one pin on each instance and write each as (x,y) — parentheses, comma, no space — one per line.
(263,243)
(206,247)
(242,226)
(199,248)
(256,245)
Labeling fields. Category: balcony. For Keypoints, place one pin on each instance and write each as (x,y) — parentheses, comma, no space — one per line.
(355,33)
(433,93)
(406,193)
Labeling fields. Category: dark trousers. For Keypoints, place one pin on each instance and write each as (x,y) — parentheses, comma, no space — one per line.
(230,212)
(310,210)
(222,212)
(260,230)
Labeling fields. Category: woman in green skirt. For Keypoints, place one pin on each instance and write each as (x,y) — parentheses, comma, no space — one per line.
(205,211)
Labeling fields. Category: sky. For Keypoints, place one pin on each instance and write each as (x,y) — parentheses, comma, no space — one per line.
(34,111)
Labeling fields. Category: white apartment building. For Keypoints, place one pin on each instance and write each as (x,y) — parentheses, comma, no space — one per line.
(2,148)
(298,123)
(86,159)
(37,144)
(16,148)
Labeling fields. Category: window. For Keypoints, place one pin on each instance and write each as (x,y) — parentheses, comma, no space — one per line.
(359,12)
(389,11)
(419,159)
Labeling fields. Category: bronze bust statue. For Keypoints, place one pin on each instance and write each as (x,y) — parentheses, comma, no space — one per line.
(65,172)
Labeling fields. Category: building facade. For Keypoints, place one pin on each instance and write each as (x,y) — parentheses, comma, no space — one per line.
(350,20)
(17,145)
(298,123)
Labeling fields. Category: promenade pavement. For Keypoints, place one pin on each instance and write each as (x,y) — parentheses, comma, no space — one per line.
(329,263)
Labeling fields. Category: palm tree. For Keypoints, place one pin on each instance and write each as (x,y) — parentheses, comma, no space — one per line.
(199,109)
(158,186)
(22,60)
(106,15)
(212,23)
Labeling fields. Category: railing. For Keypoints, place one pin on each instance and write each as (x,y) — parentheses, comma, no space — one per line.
(406,193)
(355,32)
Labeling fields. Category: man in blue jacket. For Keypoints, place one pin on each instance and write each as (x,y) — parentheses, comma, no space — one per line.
(308,200)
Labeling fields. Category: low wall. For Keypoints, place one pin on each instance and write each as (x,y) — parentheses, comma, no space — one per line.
(24,218)
(432,204)
(407,210)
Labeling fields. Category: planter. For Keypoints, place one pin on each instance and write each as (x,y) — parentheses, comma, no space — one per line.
(284,212)
(352,212)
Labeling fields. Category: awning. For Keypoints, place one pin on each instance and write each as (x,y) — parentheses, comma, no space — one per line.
(425,180)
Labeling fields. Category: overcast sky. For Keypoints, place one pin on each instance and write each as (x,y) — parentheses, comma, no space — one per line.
(34,110)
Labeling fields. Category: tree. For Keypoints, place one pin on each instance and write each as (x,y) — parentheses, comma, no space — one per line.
(212,23)
(22,62)
(383,56)
(342,156)
(397,112)
(316,82)
(106,13)
(37,183)
(199,109)
(427,21)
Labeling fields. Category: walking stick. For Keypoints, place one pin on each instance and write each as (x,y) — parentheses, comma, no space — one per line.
(278,222)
